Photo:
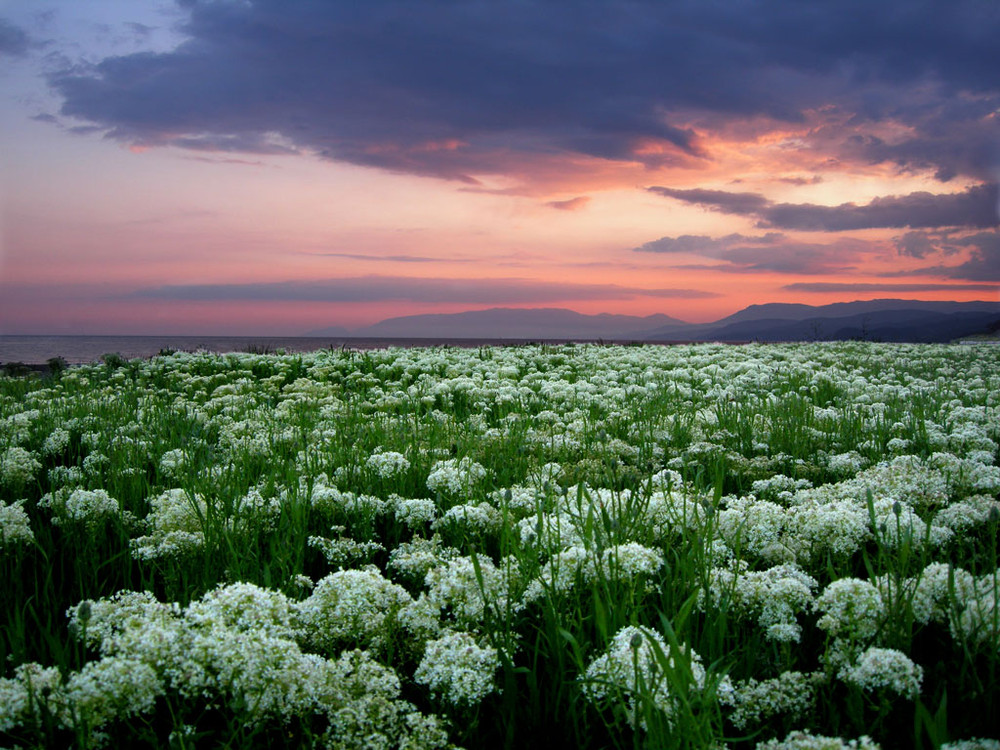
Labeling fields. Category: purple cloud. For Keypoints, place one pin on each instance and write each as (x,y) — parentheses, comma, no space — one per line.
(459,89)
(974,208)
(982,264)
(771,252)
(572,204)
(13,40)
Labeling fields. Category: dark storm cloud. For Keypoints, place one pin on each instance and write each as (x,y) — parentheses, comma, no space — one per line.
(13,40)
(772,252)
(976,207)
(392,288)
(454,89)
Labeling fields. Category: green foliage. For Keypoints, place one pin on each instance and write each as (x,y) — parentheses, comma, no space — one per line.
(544,499)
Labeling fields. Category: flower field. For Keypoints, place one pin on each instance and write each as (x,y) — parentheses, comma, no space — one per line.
(787,546)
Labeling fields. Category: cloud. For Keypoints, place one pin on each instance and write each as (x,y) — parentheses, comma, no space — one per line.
(707,246)
(460,90)
(14,41)
(821,287)
(394,288)
(976,207)
(718,200)
(982,264)
(573,204)
(771,252)
(915,244)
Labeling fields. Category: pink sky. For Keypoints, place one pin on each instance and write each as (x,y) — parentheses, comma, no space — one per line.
(128,224)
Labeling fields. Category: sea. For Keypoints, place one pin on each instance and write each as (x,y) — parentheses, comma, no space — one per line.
(37,350)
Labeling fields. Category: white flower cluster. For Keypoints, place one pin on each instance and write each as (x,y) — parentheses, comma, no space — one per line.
(326,498)
(343,550)
(631,562)
(455,476)
(466,586)
(753,526)
(353,608)
(975,743)
(940,590)
(233,647)
(15,526)
(388,464)
(979,621)
(90,509)
(852,608)
(478,519)
(18,467)
(641,667)
(173,463)
(774,597)
(414,512)
(459,670)
(800,740)
(884,669)
(414,559)
(177,522)
(32,692)
(56,442)
(789,694)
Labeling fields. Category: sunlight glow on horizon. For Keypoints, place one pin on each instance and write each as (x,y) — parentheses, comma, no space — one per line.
(743,203)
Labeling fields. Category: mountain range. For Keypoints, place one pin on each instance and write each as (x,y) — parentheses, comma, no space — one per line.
(891,320)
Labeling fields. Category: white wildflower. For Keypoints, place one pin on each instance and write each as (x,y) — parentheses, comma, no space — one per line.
(111,688)
(15,526)
(177,520)
(456,668)
(414,559)
(789,694)
(940,591)
(387,464)
(352,607)
(799,740)
(25,698)
(56,442)
(455,476)
(975,743)
(17,467)
(884,668)
(852,609)
(481,518)
(774,597)
(343,550)
(414,512)
(466,593)
(635,665)
(244,607)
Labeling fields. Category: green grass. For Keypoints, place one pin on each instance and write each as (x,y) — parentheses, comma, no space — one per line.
(270,451)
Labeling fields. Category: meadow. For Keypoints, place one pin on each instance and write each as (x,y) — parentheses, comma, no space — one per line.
(781,546)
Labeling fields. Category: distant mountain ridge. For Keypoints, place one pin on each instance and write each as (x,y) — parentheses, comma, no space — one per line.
(876,320)
(513,323)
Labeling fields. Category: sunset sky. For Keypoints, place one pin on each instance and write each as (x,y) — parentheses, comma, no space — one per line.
(275,166)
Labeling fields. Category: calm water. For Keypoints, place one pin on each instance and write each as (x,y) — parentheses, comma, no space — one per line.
(82,349)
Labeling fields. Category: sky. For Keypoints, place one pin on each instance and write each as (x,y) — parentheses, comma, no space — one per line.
(271,167)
